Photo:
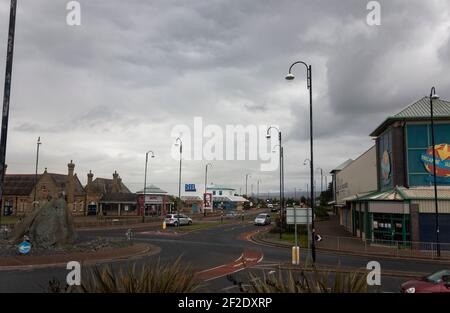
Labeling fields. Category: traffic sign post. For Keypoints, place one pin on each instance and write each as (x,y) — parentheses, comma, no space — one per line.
(298,216)
(25,246)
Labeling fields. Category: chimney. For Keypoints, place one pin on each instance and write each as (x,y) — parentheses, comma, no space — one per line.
(90,177)
(115,183)
(70,186)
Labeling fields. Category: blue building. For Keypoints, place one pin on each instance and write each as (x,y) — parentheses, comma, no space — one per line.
(403,207)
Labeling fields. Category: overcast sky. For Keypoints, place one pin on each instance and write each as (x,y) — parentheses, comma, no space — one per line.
(103,93)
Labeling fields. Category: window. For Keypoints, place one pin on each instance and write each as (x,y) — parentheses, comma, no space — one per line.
(214,193)
(220,193)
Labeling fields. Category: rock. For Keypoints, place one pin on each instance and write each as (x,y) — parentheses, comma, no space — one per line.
(49,226)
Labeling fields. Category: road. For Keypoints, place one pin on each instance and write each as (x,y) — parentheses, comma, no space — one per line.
(216,252)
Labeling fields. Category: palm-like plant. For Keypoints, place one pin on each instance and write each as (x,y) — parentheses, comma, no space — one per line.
(149,278)
(314,282)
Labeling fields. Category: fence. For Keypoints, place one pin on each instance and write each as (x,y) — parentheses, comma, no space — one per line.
(426,250)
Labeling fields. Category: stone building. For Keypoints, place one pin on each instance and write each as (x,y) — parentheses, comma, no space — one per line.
(109,196)
(25,191)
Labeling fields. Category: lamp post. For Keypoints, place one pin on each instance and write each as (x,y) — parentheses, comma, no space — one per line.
(145,183)
(206,185)
(179,143)
(6,97)
(321,183)
(281,176)
(434,96)
(290,76)
(246,183)
(257,190)
(36,172)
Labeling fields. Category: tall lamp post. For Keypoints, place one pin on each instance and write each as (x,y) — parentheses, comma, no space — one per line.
(145,183)
(257,190)
(281,174)
(434,96)
(179,143)
(206,186)
(246,183)
(290,76)
(36,172)
(321,182)
(6,97)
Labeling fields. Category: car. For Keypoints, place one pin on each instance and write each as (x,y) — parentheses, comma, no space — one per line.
(172,220)
(438,282)
(262,219)
(231,214)
(274,209)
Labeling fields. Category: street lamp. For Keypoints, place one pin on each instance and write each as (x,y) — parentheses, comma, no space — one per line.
(6,97)
(289,77)
(179,143)
(434,96)
(246,183)
(257,190)
(36,172)
(281,174)
(145,182)
(206,184)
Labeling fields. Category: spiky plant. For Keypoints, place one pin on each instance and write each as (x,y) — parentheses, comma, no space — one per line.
(152,277)
(315,281)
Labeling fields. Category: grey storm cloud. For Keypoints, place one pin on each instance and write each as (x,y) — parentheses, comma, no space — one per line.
(105,92)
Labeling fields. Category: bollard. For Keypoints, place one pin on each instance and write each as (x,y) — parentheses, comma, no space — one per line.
(295,255)
(164,226)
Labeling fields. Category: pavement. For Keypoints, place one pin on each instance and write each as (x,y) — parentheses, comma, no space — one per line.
(221,251)
(337,240)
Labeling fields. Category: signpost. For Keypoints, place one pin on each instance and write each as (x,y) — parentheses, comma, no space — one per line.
(298,216)
(25,246)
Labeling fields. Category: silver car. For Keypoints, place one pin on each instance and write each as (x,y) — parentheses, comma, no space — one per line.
(262,219)
(173,219)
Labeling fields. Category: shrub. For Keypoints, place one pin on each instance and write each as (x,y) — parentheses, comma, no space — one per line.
(313,282)
(153,277)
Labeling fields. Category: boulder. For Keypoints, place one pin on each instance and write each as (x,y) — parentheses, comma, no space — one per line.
(49,226)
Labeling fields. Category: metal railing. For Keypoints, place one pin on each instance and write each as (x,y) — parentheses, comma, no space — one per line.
(427,250)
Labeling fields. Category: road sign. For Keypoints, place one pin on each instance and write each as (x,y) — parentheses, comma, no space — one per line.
(303,216)
(318,238)
(24,247)
(190,188)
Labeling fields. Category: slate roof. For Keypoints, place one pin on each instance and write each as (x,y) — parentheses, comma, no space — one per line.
(119,197)
(23,184)
(104,186)
(417,111)
(20,185)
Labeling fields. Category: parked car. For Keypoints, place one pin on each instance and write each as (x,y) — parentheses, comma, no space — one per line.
(438,282)
(262,219)
(231,214)
(274,209)
(172,220)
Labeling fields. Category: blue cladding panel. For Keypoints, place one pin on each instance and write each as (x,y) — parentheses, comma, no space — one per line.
(427,222)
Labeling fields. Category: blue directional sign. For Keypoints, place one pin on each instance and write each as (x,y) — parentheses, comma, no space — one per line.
(24,247)
(189,188)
